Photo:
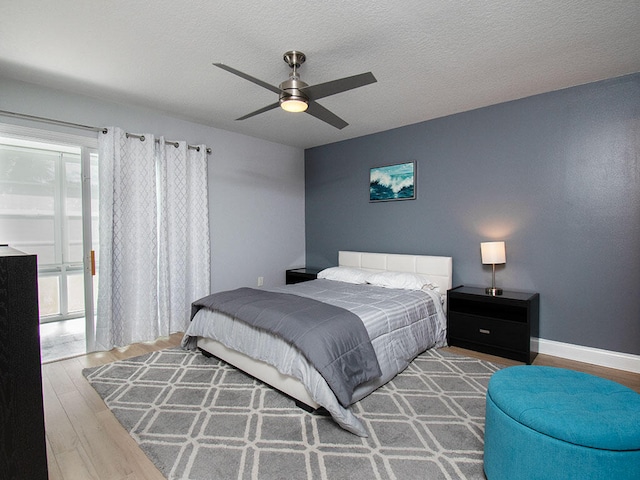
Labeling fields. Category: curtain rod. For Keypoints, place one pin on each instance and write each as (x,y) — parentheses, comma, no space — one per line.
(175,144)
(84,127)
(52,121)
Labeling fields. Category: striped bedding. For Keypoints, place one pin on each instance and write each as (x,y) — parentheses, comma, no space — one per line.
(401,324)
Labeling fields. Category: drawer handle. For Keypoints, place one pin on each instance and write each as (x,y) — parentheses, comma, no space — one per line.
(485,331)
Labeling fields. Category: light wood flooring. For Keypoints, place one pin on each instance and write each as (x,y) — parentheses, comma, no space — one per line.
(85,441)
(630,379)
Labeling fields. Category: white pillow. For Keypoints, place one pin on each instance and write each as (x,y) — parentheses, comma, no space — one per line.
(406,281)
(344,274)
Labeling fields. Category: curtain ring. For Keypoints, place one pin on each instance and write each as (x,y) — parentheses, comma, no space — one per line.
(141,137)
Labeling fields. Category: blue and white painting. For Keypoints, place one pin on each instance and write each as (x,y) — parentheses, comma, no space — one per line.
(393,182)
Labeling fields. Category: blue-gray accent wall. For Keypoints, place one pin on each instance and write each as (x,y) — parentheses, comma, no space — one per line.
(556,176)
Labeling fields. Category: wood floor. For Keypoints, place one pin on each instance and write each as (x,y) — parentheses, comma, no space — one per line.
(85,441)
(630,379)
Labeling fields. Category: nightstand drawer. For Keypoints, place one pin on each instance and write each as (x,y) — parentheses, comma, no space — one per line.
(489,331)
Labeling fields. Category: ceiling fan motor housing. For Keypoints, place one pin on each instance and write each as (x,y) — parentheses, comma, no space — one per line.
(290,90)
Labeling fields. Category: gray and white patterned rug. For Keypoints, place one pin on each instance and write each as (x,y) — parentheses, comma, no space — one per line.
(199,418)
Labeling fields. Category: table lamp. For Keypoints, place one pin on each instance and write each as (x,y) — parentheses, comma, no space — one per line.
(493,253)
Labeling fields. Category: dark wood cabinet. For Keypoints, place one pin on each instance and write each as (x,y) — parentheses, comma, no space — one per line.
(22,438)
(502,325)
(297,275)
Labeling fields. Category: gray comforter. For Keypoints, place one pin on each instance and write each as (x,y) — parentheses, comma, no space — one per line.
(334,340)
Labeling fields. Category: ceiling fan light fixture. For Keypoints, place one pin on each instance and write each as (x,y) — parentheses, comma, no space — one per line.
(294,104)
(291,97)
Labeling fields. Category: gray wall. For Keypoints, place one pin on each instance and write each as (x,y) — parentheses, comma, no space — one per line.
(256,188)
(556,176)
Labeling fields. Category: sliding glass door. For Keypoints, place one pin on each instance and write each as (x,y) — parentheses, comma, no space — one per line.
(48,207)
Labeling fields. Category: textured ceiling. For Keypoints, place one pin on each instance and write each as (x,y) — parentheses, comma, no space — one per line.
(431,58)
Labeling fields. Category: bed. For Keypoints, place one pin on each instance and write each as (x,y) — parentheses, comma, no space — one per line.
(399,298)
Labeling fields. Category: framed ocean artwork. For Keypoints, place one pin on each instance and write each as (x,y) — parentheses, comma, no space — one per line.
(393,182)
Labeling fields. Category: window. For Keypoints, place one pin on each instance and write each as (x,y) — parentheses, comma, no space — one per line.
(41,212)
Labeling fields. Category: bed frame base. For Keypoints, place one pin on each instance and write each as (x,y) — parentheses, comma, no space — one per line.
(264,372)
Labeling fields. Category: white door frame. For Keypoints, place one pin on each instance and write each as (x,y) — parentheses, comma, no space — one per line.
(87,245)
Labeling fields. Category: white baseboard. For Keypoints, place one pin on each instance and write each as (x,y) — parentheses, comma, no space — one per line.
(596,356)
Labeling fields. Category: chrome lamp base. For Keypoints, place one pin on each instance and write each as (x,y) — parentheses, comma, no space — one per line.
(493,290)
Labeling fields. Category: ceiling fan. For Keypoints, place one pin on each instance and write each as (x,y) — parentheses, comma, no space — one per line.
(297,96)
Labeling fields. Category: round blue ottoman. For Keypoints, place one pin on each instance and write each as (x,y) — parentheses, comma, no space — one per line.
(550,423)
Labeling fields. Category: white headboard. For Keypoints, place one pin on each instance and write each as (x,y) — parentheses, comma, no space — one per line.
(438,269)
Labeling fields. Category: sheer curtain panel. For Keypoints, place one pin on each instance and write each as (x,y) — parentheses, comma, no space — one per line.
(154,237)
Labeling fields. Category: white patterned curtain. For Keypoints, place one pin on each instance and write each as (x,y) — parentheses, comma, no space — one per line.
(183,232)
(154,237)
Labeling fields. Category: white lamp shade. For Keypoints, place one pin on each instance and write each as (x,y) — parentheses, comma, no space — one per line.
(493,253)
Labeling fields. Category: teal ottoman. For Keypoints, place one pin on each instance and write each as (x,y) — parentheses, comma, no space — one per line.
(550,423)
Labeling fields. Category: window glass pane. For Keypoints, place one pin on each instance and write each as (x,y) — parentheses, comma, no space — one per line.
(72,248)
(32,235)
(27,200)
(75,292)
(27,181)
(49,295)
(73,183)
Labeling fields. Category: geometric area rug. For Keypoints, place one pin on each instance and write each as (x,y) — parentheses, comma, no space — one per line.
(199,418)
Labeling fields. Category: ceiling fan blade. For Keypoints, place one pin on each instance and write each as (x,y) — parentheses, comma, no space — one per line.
(321,90)
(248,77)
(262,110)
(321,113)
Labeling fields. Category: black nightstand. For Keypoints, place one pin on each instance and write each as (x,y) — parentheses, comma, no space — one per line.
(297,275)
(500,325)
